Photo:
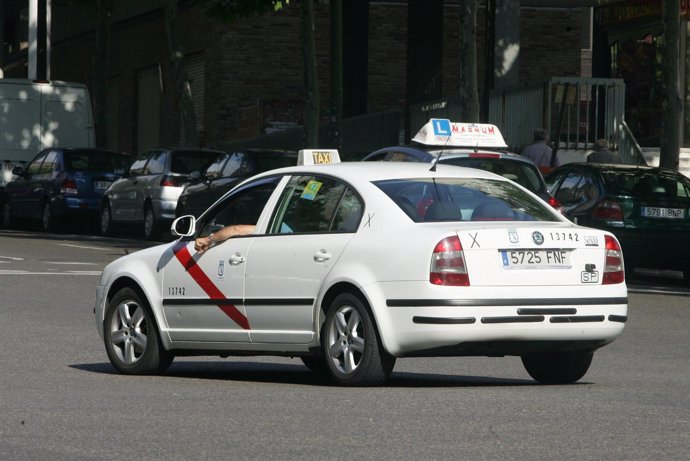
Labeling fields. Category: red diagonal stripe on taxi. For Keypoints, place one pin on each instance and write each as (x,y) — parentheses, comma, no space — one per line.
(182,254)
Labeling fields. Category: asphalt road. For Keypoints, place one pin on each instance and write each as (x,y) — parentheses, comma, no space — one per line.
(61,400)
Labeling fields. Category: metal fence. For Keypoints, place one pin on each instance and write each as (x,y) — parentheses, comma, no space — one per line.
(575,111)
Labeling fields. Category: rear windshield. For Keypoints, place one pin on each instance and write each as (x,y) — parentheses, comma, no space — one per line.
(646,183)
(464,199)
(185,162)
(521,172)
(97,161)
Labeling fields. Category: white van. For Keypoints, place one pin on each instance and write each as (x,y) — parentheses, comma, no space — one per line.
(35,115)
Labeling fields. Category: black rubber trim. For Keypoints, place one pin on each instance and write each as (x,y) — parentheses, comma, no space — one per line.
(618,318)
(578,319)
(246,302)
(444,320)
(279,302)
(200,301)
(503,302)
(546,311)
(514,319)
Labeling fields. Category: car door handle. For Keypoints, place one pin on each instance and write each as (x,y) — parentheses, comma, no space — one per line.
(236,259)
(322,256)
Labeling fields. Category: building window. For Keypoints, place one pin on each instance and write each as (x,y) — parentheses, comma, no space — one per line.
(148,102)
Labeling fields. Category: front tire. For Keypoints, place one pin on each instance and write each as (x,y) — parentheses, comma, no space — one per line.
(557,367)
(351,345)
(131,337)
(106,220)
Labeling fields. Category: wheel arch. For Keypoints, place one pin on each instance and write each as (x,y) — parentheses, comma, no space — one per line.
(130,282)
(349,287)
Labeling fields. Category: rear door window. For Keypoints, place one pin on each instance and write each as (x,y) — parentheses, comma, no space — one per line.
(137,168)
(314,204)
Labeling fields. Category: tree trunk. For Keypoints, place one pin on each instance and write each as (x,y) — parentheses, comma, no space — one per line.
(182,94)
(336,73)
(673,102)
(311,88)
(468,91)
(100,71)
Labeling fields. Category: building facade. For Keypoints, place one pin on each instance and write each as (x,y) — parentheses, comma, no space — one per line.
(246,76)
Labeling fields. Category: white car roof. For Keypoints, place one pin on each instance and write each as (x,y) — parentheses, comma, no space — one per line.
(358,172)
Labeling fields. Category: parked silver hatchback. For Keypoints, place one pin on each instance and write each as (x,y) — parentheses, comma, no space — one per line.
(147,195)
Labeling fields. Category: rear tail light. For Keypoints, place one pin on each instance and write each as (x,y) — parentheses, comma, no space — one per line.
(555,204)
(448,264)
(609,210)
(171,181)
(613,269)
(68,186)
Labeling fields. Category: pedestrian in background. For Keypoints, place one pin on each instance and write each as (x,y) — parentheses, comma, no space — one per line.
(602,154)
(539,151)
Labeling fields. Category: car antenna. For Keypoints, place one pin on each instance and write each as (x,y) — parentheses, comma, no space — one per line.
(433,166)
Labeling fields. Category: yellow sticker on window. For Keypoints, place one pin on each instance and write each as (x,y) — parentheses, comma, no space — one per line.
(311,189)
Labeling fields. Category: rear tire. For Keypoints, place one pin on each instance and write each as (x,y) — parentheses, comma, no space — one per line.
(351,345)
(131,337)
(48,221)
(151,225)
(557,367)
(6,220)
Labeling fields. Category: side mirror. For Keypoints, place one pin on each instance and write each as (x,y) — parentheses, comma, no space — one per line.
(17,171)
(195,175)
(184,226)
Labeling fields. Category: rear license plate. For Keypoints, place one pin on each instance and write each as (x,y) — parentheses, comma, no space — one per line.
(101,184)
(535,259)
(656,212)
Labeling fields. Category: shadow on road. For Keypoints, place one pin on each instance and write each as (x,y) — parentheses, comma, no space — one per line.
(260,372)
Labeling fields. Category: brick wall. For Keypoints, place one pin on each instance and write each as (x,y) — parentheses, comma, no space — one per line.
(254,66)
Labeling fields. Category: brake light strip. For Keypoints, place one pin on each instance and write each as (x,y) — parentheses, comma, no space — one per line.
(182,254)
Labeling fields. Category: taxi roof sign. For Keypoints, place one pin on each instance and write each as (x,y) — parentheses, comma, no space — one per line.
(318,156)
(443,132)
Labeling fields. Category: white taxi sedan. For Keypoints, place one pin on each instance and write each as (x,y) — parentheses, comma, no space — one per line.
(353,265)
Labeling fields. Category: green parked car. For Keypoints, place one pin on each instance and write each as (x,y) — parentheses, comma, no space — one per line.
(646,208)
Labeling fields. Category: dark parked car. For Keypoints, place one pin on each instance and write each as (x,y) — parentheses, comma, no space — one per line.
(647,208)
(487,151)
(60,183)
(512,166)
(228,170)
(147,194)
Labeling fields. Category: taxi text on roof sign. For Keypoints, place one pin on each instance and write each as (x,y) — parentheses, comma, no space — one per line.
(443,132)
(318,156)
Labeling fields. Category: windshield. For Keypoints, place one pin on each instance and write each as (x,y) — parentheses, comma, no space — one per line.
(185,162)
(97,161)
(464,199)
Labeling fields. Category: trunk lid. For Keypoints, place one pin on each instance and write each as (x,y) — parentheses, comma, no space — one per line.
(531,254)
